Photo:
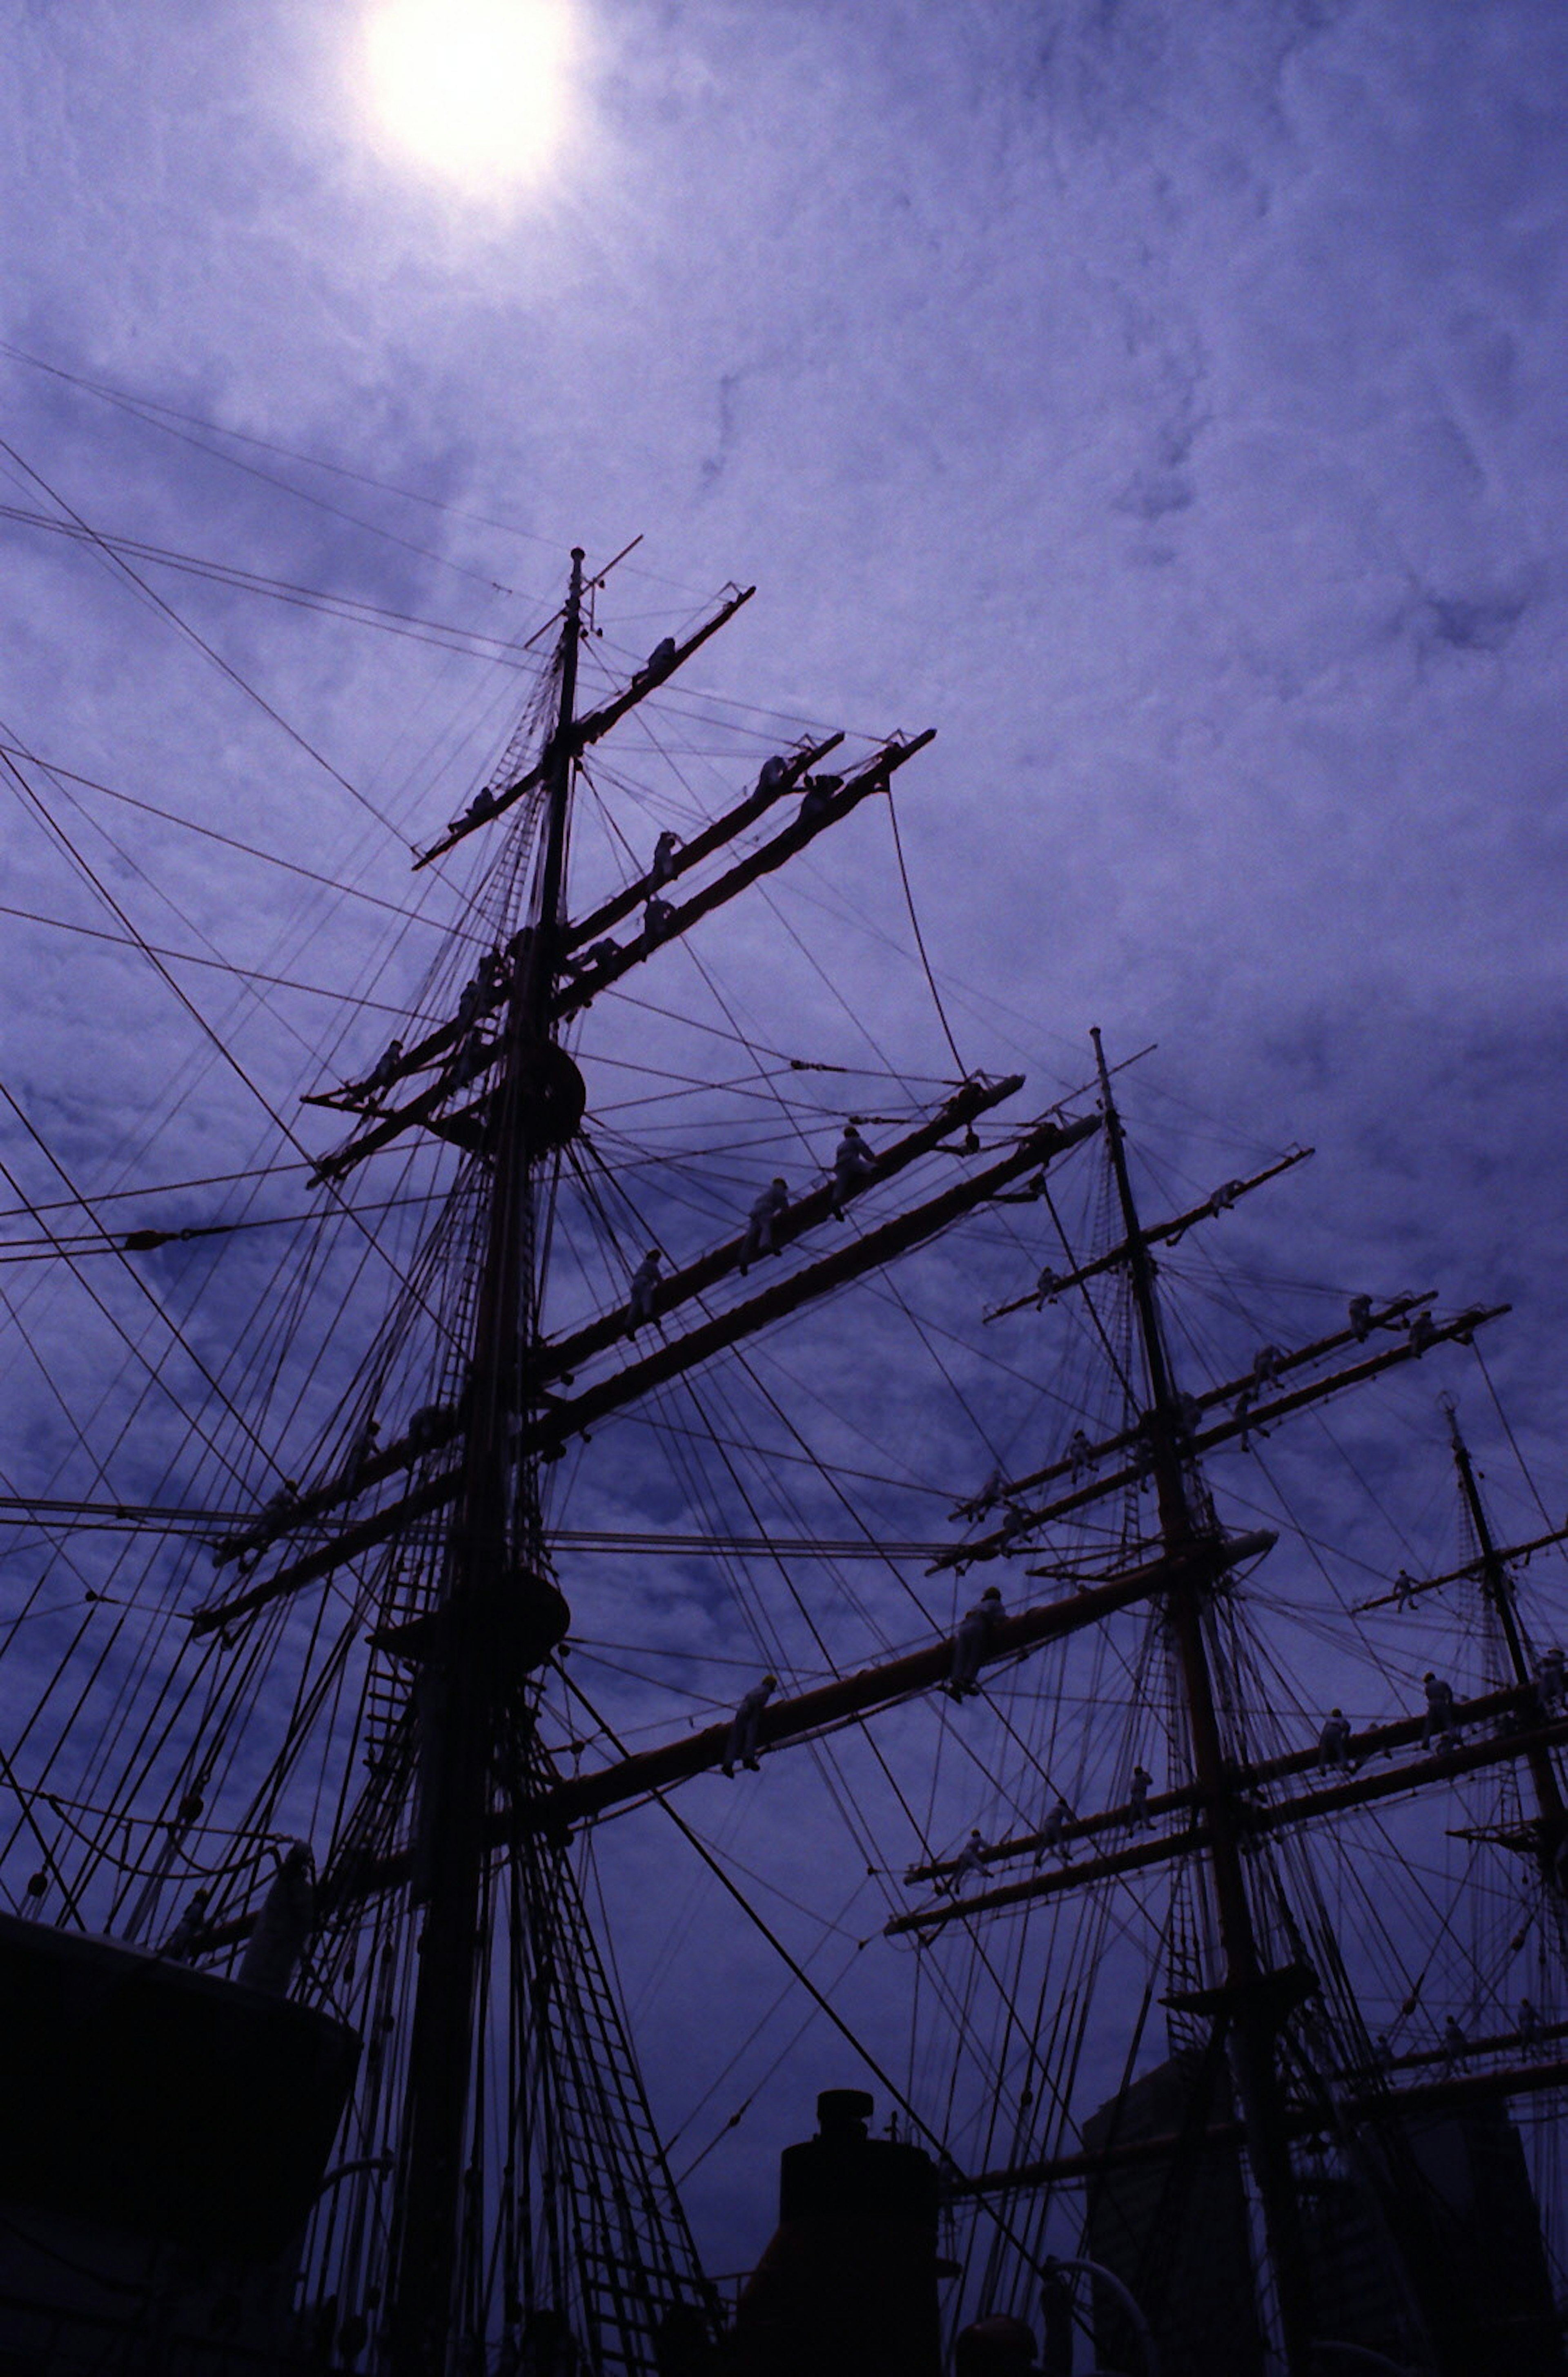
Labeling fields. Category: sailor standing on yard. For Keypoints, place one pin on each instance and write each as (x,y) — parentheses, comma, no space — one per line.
(384,1072)
(1334,1744)
(767,1211)
(1440,1713)
(1053,1832)
(972,1642)
(272,1521)
(985,1500)
(853,1164)
(818,798)
(742,1741)
(644,1280)
(970,1859)
(360,1453)
(663,867)
(1138,1817)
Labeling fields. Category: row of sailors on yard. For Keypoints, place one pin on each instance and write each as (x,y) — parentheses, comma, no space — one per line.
(852,1167)
(974,1641)
(432,1424)
(658,913)
(1528,2030)
(1440,1728)
(488,797)
(975,1853)
(480,995)
(1267,1364)
(817,794)
(658,919)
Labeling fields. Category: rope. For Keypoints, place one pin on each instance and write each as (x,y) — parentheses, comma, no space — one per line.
(167,611)
(919,937)
(1512,1440)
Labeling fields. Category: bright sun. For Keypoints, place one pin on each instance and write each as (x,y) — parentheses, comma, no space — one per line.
(476,88)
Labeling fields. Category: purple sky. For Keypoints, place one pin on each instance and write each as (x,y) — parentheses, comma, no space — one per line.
(1163,402)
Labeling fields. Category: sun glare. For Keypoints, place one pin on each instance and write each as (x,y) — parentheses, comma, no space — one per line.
(474,89)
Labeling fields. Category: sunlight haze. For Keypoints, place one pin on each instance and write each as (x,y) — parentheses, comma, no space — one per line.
(473,89)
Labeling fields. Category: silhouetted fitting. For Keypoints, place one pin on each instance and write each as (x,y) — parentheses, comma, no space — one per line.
(848,2286)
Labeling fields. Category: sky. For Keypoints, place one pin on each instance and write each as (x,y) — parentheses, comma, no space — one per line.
(1162,402)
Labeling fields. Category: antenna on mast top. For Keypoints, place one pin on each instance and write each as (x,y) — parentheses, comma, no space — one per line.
(600,575)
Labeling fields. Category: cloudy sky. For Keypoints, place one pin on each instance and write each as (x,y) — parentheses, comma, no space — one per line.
(1164,402)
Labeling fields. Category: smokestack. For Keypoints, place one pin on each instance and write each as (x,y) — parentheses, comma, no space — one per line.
(848,2286)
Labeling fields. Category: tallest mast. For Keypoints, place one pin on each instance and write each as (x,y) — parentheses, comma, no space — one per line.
(1250,2001)
(497,1615)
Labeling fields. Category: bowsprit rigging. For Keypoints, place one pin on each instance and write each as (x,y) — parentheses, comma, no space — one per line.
(562,1587)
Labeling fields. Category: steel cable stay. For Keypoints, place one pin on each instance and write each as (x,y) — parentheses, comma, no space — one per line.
(133,1347)
(203,1026)
(842,1803)
(253,980)
(154,414)
(735,2120)
(467,642)
(115,561)
(228,966)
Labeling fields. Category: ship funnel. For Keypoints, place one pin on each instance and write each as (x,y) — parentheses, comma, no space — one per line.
(848,2286)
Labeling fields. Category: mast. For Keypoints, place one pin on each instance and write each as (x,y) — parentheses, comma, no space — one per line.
(1250,2001)
(1497,1587)
(491,1604)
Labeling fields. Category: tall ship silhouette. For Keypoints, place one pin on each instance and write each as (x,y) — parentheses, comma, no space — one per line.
(641,1584)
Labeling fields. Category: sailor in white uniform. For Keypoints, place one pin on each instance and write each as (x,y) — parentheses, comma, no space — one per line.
(644,1280)
(742,1742)
(971,1642)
